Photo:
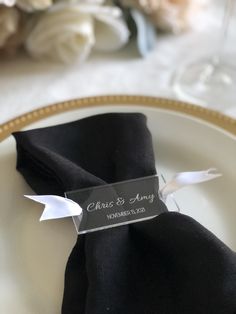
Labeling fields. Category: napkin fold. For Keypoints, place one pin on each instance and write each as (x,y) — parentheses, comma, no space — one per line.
(168,265)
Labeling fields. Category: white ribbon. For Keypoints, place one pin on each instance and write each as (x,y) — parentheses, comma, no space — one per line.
(183,179)
(56,206)
(60,207)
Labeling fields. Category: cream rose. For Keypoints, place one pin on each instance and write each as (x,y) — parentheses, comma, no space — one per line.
(168,15)
(8,3)
(69,31)
(9,20)
(64,33)
(33,5)
(111,32)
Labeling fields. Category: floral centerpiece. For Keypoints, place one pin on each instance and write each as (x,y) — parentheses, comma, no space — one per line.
(69,30)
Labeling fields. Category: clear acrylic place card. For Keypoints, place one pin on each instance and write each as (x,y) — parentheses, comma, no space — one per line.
(117,204)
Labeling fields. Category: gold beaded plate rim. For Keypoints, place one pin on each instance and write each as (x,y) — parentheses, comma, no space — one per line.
(213,117)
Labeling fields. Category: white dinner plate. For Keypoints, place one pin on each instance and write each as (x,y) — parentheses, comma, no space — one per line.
(185,137)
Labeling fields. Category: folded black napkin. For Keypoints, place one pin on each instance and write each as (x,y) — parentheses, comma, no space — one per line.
(168,265)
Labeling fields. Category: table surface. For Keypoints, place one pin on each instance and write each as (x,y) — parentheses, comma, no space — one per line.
(26,84)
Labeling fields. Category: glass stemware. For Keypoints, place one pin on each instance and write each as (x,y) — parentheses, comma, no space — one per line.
(210,81)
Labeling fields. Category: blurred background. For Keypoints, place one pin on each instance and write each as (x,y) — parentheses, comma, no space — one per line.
(54,51)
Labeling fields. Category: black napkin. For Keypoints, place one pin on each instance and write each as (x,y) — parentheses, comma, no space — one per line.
(168,265)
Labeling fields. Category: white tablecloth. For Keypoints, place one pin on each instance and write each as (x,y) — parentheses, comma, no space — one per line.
(26,84)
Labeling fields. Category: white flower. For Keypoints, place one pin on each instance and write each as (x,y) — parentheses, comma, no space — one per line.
(28,5)
(68,31)
(8,3)
(33,5)
(111,32)
(9,20)
(64,34)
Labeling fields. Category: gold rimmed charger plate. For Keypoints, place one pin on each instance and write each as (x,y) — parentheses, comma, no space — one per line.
(211,116)
(185,137)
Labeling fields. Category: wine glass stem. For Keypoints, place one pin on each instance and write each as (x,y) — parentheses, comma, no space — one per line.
(229,6)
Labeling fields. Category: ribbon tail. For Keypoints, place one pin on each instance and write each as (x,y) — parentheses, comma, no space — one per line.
(184,179)
(56,206)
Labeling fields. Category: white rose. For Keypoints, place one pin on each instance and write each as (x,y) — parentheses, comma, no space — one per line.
(8,3)
(9,20)
(64,34)
(33,5)
(111,32)
(69,31)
